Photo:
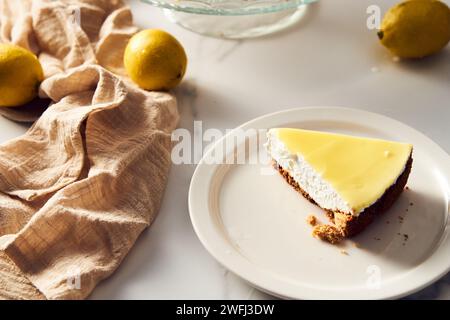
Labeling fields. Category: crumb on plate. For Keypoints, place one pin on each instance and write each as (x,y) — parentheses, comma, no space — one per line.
(312,220)
(328,233)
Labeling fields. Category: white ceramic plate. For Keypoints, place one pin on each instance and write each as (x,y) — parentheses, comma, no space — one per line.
(254,224)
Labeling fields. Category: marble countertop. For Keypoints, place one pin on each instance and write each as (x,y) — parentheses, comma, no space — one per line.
(330,58)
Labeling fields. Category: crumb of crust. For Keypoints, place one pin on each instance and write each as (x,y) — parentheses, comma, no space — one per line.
(356,245)
(312,220)
(344,252)
(328,233)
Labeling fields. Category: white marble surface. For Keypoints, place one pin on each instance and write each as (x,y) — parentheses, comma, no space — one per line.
(330,58)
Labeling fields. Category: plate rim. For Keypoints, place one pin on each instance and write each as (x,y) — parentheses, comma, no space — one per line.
(257,276)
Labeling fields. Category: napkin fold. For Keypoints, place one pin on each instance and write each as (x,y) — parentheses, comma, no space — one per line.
(87,178)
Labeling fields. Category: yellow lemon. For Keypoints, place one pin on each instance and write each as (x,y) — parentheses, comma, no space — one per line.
(416,28)
(155,60)
(20,75)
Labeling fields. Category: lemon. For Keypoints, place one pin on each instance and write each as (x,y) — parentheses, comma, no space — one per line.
(416,28)
(20,75)
(155,60)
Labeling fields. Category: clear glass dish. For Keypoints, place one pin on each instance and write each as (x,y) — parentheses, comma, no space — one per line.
(233,18)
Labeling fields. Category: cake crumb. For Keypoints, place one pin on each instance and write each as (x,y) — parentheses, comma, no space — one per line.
(356,245)
(405,238)
(406,188)
(411,204)
(378,239)
(312,220)
(328,233)
(344,252)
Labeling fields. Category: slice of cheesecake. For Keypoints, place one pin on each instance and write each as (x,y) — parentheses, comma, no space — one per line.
(353,179)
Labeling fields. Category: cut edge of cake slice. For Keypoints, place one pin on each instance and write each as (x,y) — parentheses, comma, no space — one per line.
(303,177)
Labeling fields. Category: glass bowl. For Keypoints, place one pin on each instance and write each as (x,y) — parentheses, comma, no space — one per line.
(233,18)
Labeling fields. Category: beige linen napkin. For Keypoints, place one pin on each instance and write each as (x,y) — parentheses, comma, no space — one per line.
(80,186)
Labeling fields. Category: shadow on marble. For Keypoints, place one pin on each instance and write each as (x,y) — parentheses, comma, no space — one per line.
(186,94)
(439,290)
(210,105)
(435,67)
(397,236)
(131,268)
(238,289)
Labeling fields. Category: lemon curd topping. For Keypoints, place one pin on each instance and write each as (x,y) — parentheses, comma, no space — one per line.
(359,169)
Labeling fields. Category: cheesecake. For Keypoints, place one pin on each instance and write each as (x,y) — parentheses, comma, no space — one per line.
(353,179)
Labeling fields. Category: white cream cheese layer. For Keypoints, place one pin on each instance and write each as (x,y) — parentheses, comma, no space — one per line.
(306,177)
